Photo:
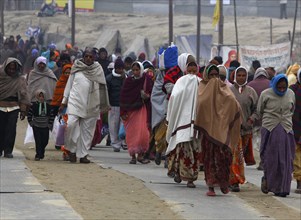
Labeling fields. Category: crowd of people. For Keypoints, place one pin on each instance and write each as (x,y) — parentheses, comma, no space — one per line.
(197,118)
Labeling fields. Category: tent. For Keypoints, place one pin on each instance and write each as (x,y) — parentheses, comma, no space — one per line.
(110,39)
(187,44)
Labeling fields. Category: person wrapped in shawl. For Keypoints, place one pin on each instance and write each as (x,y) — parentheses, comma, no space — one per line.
(247,98)
(218,121)
(58,94)
(184,150)
(41,77)
(134,98)
(297,131)
(14,99)
(174,73)
(276,107)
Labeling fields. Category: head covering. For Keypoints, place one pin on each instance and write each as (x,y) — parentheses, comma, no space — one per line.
(142,56)
(245,83)
(260,72)
(68,46)
(219,59)
(52,46)
(231,52)
(207,71)
(41,59)
(102,49)
(118,63)
(65,67)
(38,92)
(34,52)
(183,60)
(141,68)
(222,70)
(275,81)
(147,64)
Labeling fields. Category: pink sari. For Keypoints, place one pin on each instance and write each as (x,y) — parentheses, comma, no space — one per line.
(137,133)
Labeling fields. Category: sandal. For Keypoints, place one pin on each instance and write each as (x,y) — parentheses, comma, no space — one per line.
(190,184)
(133,161)
(225,190)
(211,192)
(143,161)
(264,186)
(177,178)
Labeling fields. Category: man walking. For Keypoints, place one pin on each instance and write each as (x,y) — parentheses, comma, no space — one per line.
(85,95)
(283,4)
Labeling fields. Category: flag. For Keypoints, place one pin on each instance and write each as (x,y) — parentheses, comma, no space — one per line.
(216,14)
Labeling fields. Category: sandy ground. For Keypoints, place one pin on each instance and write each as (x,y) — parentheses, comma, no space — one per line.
(98,193)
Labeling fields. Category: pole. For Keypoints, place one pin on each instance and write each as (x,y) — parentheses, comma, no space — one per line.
(271,31)
(294,30)
(170,21)
(2,17)
(73,24)
(236,32)
(220,27)
(198,34)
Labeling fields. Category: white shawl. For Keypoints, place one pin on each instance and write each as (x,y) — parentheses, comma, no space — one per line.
(181,111)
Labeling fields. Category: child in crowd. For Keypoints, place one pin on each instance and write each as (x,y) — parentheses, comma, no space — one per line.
(40,118)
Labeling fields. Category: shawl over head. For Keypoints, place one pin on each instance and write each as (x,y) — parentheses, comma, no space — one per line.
(218,113)
(38,79)
(260,72)
(181,111)
(93,72)
(141,67)
(275,81)
(58,94)
(12,86)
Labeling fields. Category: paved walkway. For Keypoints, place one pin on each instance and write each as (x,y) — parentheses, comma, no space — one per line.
(23,197)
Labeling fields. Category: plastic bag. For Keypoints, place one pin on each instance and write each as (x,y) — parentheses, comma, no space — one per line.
(29,138)
(121,133)
(60,137)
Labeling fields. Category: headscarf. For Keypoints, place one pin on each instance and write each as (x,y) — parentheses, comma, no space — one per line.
(245,83)
(141,68)
(183,60)
(207,71)
(11,86)
(275,81)
(260,72)
(41,59)
(41,107)
(58,93)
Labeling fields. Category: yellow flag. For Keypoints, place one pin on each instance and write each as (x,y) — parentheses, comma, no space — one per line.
(216,14)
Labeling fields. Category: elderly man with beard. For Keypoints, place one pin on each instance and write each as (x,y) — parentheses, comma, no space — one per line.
(85,95)
(14,98)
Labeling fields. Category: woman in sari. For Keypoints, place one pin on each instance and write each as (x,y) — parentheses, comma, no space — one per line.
(247,98)
(218,123)
(134,111)
(184,151)
(276,106)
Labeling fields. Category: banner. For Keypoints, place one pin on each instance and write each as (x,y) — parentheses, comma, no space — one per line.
(80,5)
(275,55)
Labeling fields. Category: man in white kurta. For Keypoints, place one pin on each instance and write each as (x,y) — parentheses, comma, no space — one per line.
(85,96)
